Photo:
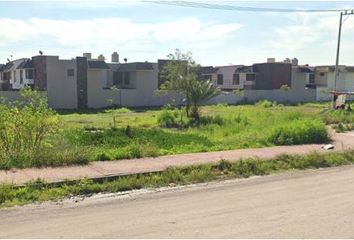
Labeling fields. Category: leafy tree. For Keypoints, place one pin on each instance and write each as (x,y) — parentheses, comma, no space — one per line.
(181,75)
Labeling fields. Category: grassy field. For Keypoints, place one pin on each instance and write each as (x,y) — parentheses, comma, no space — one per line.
(93,135)
(40,191)
(225,128)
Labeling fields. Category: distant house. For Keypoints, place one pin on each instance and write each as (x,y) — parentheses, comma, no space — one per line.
(16,74)
(265,76)
(325,80)
(84,82)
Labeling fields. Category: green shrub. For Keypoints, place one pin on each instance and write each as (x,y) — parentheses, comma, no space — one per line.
(168,118)
(299,132)
(218,120)
(266,103)
(25,127)
(102,157)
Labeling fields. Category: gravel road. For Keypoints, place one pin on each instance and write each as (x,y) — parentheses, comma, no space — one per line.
(307,204)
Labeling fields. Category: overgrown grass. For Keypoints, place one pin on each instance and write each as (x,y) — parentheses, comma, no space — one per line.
(342,120)
(167,131)
(89,135)
(40,191)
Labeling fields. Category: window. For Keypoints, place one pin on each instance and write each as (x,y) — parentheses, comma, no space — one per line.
(29,74)
(322,74)
(71,72)
(21,76)
(236,79)
(126,78)
(117,78)
(14,76)
(250,77)
(311,78)
(6,76)
(220,80)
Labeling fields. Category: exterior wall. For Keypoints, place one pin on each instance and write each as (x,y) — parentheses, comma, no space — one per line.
(10,96)
(349,82)
(325,83)
(228,73)
(291,96)
(40,65)
(322,94)
(81,82)
(61,87)
(143,95)
(272,75)
(97,95)
(18,84)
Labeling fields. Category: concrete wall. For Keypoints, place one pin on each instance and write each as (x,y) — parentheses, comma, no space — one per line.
(61,87)
(291,96)
(10,96)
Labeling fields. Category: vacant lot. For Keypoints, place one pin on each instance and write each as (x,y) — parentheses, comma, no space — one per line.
(98,135)
(222,128)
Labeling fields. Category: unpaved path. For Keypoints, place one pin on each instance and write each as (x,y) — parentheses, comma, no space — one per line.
(308,204)
(143,165)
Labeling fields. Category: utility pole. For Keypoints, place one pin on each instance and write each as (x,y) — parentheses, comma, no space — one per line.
(336,70)
(338,48)
(338,45)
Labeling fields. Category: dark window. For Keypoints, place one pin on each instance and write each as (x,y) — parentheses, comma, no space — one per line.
(21,76)
(117,78)
(126,78)
(29,74)
(14,76)
(250,77)
(236,79)
(220,80)
(311,78)
(322,74)
(71,72)
(6,76)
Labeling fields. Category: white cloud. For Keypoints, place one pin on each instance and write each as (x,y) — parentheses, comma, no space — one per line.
(312,36)
(108,34)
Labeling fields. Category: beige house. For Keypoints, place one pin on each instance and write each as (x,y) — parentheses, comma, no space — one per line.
(83,82)
(325,80)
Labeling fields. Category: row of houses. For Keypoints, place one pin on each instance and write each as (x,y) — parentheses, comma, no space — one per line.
(84,82)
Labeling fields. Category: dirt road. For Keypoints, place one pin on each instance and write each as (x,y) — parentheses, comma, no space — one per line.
(309,204)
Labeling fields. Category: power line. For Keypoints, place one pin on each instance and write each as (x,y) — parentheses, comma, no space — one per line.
(237,8)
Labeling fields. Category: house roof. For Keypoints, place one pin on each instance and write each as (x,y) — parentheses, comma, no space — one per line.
(350,69)
(26,64)
(305,69)
(207,70)
(10,66)
(135,66)
(243,69)
(7,66)
(95,64)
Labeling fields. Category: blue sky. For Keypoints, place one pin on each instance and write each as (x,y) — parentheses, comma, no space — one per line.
(142,31)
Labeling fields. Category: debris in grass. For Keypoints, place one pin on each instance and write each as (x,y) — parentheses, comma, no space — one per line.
(328,147)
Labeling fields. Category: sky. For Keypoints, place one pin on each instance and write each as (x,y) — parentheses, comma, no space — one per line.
(145,31)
